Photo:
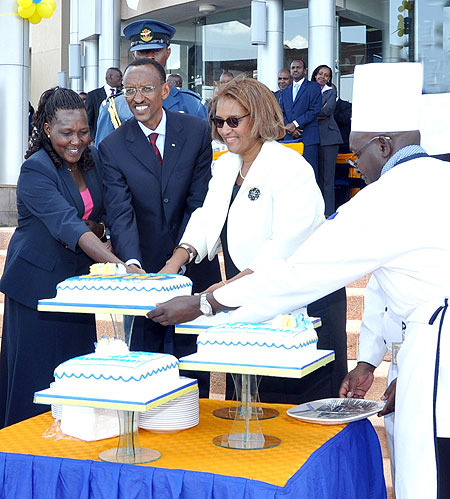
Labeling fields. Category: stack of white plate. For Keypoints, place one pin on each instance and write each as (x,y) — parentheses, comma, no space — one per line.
(56,409)
(175,415)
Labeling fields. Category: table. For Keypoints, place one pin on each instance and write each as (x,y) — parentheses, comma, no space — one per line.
(313,461)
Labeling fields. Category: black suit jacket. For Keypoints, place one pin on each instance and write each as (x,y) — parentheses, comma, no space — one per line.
(94,99)
(148,204)
(43,250)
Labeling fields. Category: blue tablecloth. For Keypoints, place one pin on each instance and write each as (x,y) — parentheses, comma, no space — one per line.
(348,466)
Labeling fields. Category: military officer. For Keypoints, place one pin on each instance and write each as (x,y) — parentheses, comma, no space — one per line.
(149,38)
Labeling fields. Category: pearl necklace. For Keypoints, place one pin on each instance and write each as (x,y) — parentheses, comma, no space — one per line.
(240,172)
(71,169)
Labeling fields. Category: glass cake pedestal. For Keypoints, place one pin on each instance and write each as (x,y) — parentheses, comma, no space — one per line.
(246,432)
(129,450)
(236,410)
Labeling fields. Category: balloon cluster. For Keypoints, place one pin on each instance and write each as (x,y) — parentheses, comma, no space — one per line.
(404,20)
(35,10)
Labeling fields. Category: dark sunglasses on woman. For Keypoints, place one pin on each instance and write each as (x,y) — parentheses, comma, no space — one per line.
(232,121)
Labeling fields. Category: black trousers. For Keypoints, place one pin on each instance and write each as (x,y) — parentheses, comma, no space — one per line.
(443,453)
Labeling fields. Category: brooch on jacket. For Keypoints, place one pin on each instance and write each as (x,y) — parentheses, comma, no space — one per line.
(254,193)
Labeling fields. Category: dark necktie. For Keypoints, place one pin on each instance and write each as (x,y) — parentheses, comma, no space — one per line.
(152,138)
(113,91)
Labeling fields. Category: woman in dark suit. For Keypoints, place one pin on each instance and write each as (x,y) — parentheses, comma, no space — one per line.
(59,232)
(330,137)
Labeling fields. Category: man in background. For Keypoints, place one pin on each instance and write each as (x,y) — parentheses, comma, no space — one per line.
(95,97)
(301,103)
(225,77)
(150,39)
(83,96)
(175,80)
(284,80)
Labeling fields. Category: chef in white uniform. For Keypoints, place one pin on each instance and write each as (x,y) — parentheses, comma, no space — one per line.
(381,331)
(396,228)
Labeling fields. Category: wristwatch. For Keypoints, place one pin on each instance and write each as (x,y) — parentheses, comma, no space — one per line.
(205,306)
(187,248)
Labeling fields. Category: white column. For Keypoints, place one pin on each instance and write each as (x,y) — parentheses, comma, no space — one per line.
(321,34)
(14,90)
(270,55)
(75,83)
(91,65)
(109,40)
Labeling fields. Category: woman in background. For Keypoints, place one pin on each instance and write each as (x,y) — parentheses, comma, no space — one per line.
(330,137)
(59,232)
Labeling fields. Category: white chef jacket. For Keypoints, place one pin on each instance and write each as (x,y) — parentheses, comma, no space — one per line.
(397,228)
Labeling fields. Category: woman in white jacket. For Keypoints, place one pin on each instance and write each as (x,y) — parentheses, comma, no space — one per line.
(262,201)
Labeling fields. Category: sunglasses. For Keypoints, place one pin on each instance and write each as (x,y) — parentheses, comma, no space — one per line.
(232,121)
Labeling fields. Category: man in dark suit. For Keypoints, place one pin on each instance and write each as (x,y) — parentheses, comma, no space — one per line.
(301,103)
(95,97)
(284,80)
(157,166)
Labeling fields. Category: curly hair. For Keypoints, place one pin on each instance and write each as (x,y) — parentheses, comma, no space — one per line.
(265,112)
(51,101)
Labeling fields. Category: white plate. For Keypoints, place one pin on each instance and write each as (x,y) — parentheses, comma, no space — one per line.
(335,411)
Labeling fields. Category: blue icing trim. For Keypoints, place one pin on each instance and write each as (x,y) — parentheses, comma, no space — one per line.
(264,344)
(119,378)
(92,287)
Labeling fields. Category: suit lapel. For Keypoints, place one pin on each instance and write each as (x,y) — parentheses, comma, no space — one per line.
(140,148)
(72,188)
(301,90)
(173,146)
(288,96)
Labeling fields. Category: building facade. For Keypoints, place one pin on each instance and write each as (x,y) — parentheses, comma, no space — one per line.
(256,37)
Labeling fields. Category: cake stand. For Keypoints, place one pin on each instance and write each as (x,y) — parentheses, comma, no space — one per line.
(246,433)
(236,409)
(128,450)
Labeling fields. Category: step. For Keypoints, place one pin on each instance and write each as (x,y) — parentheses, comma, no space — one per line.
(360,283)
(355,302)
(5,236)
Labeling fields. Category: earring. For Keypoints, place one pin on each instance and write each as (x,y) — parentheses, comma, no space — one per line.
(48,135)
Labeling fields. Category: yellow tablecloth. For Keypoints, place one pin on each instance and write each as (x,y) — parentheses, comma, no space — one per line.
(191,449)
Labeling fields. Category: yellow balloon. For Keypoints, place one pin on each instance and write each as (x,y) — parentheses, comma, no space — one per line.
(26,12)
(25,3)
(35,18)
(52,3)
(44,9)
